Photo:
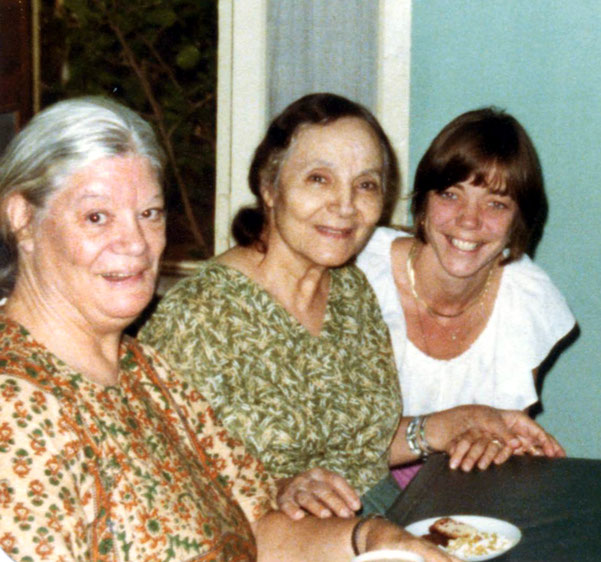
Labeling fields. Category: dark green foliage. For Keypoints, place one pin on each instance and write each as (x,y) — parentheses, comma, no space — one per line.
(158,57)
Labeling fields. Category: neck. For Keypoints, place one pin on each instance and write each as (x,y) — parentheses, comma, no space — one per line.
(95,354)
(288,276)
(300,285)
(441,294)
(301,288)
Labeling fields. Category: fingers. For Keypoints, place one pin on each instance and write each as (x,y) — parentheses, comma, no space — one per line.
(547,446)
(319,492)
(474,448)
(290,505)
(553,448)
(306,502)
(533,438)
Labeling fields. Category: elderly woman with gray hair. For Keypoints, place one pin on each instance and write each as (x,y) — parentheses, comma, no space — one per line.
(105,454)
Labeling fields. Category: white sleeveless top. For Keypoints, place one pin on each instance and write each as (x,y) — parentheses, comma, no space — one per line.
(529,317)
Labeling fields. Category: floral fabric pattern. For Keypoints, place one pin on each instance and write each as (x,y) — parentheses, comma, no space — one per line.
(137,471)
(297,401)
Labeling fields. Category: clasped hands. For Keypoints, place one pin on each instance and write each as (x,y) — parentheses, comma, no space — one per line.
(471,436)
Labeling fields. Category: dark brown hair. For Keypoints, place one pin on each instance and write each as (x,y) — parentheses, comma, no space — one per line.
(312,109)
(491,149)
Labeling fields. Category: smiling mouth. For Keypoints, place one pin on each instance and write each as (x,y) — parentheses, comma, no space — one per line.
(115,276)
(463,245)
(335,232)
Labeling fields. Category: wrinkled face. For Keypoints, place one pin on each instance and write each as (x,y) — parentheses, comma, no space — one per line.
(468,227)
(95,249)
(329,194)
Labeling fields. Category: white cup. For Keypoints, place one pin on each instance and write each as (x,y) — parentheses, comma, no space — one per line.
(388,556)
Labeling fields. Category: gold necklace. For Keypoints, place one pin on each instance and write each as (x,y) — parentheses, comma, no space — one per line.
(432,311)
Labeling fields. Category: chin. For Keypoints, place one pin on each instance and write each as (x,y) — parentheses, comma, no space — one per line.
(128,311)
(334,259)
(333,262)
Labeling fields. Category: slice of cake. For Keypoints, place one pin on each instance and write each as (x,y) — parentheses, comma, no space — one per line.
(446,529)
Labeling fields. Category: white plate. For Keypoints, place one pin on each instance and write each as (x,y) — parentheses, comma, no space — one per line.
(486,524)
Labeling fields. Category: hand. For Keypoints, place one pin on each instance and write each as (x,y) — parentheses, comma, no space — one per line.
(533,438)
(481,435)
(382,534)
(319,492)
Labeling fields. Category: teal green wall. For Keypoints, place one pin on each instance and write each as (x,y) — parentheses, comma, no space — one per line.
(541,61)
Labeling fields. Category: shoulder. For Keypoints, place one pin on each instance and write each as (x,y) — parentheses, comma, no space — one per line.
(209,276)
(28,367)
(376,258)
(378,246)
(351,282)
(533,306)
(527,283)
(354,299)
(202,295)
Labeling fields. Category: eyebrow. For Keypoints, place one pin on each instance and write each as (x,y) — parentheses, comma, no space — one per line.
(90,195)
(327,164)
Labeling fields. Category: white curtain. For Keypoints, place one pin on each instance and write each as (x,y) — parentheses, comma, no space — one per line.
(321,45)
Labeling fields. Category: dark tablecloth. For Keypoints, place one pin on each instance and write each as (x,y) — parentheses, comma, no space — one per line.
(555,502)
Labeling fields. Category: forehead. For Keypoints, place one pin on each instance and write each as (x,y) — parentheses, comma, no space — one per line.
(112,177)
(347,136)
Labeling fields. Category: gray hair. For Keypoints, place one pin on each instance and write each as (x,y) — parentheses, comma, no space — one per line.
(57,142)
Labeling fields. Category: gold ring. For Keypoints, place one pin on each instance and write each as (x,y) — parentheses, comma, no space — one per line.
(497,442)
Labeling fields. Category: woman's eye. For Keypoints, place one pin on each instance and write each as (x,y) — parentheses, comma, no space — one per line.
(153,214)
(369,185)
(96,217)
(500,205)
(446,194)
(317,178)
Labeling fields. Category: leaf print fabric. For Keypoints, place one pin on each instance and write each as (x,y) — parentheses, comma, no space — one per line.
(138,471)
(297,401)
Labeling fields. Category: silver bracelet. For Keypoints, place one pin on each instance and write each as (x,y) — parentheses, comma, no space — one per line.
(421,438)
(416,437)
(411,436)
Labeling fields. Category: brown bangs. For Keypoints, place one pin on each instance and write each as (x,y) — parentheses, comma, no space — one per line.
(493,177)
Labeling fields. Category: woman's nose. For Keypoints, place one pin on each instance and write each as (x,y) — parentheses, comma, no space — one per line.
(344,201)
(131,238)
(469,215)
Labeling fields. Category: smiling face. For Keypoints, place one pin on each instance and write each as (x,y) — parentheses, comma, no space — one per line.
(468,227)
(329,193)
(94,251)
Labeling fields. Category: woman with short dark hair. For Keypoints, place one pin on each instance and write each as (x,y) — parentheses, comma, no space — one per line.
(471,316)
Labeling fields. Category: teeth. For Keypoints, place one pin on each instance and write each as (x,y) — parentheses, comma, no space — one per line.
(333,230)
(118,275)
(464,244)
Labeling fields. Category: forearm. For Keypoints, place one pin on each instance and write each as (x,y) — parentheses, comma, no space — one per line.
(279,538)
(441,429)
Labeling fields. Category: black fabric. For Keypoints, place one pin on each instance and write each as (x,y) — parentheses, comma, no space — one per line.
(555,502)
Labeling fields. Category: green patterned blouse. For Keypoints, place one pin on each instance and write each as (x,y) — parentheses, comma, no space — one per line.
(297,401)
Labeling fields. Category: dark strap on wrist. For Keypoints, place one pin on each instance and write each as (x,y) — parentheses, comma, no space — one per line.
(357,528)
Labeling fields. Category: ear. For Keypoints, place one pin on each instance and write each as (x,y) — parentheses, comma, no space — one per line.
(19,213)
(268,194)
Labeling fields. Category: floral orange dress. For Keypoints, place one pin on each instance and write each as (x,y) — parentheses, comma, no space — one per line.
(138,471)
